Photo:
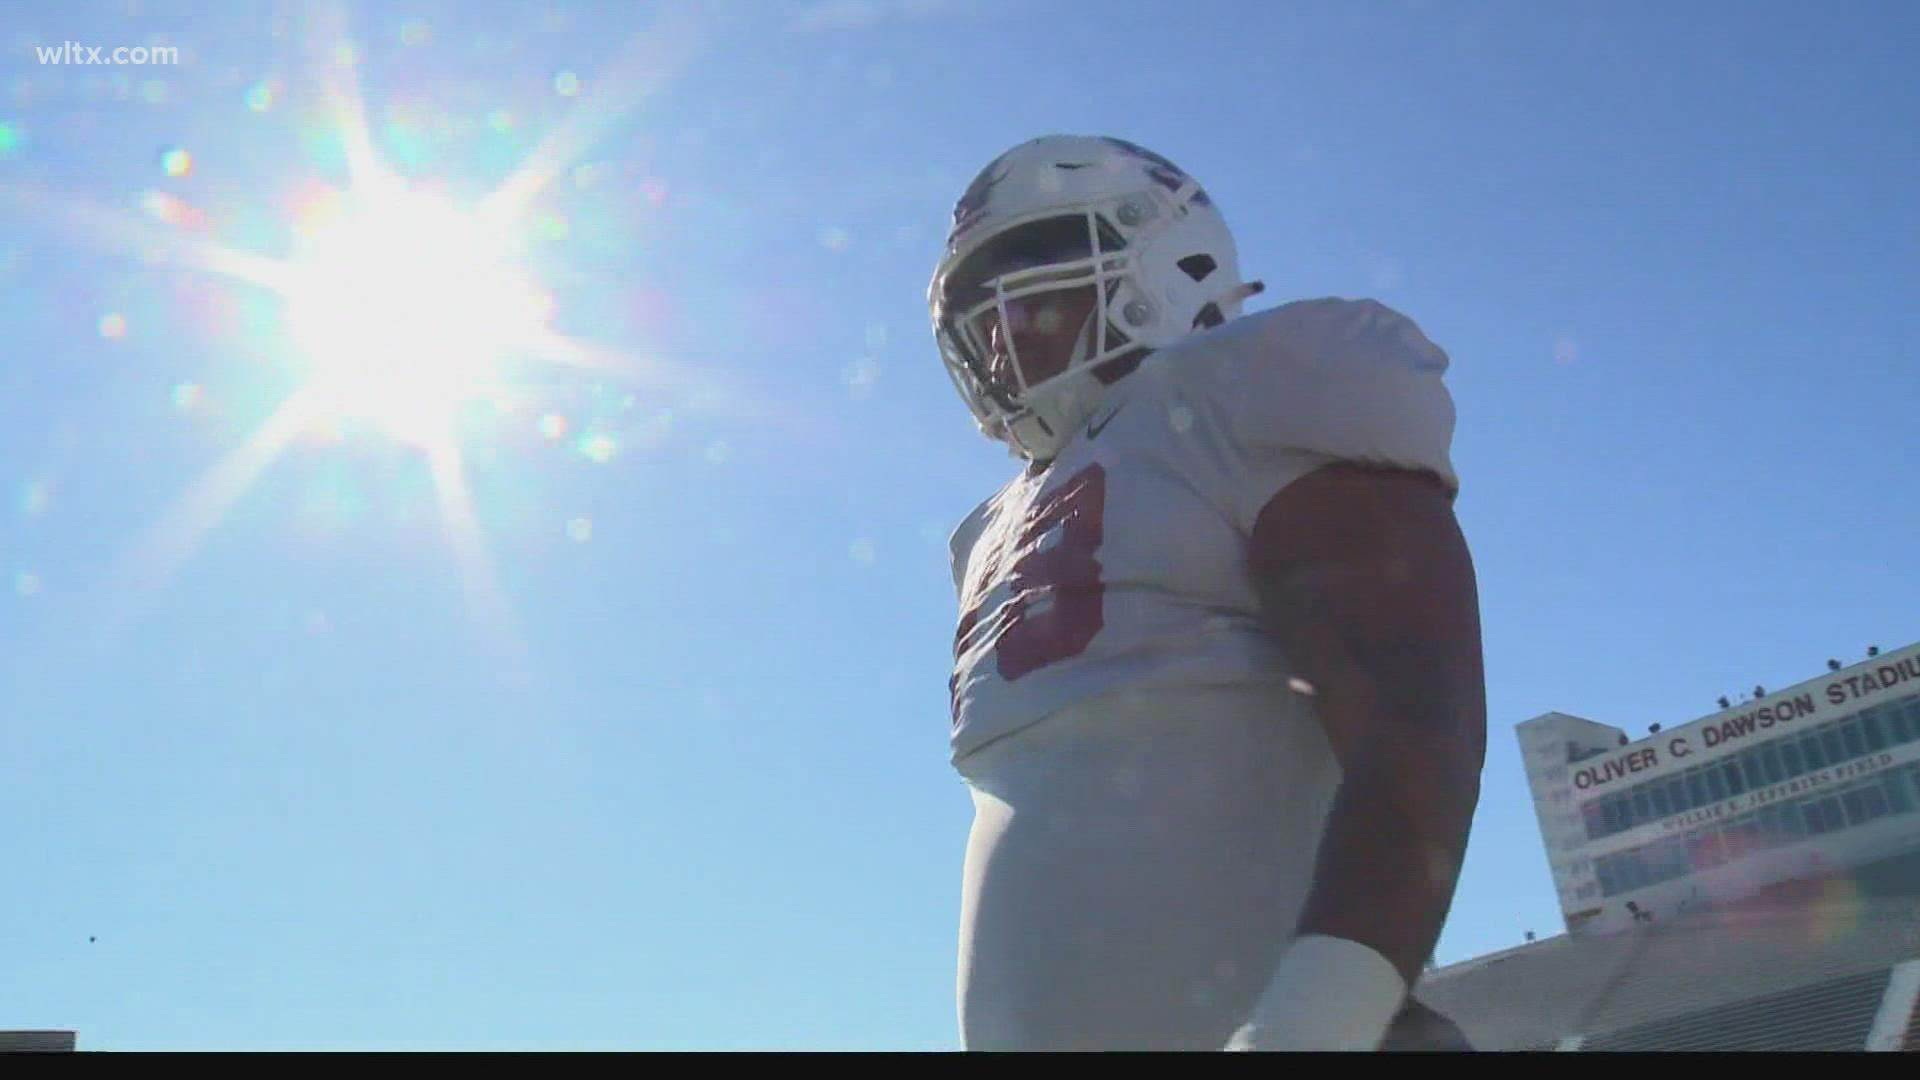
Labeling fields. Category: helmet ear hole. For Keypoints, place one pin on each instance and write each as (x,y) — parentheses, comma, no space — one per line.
(1198,266)
(1137,313)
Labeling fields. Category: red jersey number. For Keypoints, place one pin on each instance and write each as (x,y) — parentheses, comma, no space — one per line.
(1059,600)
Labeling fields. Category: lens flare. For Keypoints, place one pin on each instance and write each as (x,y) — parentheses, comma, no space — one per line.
(261,95)
(35,495)
(599,447)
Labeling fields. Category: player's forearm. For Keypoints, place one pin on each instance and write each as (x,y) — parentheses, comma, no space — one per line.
(1367,586)
(1391,853)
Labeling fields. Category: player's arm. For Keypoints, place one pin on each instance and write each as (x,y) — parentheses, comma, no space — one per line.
(1368,586)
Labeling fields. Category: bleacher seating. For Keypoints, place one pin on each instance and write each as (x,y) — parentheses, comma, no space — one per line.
(1804,968)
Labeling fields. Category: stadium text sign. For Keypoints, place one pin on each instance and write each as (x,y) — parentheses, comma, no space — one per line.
(1777,711)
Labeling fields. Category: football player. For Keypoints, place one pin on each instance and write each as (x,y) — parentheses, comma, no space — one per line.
(1217,689)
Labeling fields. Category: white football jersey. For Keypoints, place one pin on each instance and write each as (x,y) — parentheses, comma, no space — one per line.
(1123,564)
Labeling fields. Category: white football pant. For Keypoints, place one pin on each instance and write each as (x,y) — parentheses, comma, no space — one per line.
(1135,866)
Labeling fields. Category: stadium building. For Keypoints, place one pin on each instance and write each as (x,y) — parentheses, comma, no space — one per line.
(1746,880)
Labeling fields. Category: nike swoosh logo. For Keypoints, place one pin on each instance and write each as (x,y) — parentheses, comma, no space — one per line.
(1093,430)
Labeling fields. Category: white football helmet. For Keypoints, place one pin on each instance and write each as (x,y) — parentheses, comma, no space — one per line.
(1062,213)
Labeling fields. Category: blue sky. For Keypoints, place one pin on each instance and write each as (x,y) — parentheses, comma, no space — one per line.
(638,738)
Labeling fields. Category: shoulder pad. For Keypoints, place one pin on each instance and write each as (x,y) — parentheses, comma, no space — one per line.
(1346,379)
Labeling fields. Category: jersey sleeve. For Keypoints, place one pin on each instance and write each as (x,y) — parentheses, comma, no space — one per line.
(1321,381)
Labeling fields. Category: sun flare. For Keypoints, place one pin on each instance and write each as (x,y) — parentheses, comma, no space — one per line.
(402,307)
(394,308)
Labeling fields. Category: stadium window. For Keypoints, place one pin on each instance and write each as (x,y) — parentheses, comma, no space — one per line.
(1716,784)
(1676,853)
(1836,813)
(1634,871)
(1770,767)
(1853,740)
(1696,789)
(1770,821)
(1659,859)
(1607,881)
(1590,813)
(1894,786)
(1912,714)
(1677,795)
(1854,804)
(1831,813)
(1642,806)
(1790,757)
(1616,815)
(1658,794)
(1831,745)
(1816,818)
(1810,749)
(1871,728)
(1793,820)
(1875,798)
(1897,725)
(1751,771)
(1736,783)
(1662,869)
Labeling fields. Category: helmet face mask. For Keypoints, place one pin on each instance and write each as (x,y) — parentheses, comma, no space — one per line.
(1025,289)
(1072,224)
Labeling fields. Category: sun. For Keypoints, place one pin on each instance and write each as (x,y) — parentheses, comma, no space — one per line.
(402,306)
